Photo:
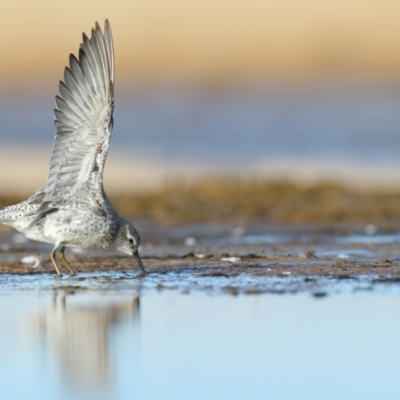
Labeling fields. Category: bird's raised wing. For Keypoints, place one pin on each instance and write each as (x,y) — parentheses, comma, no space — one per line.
(83,119)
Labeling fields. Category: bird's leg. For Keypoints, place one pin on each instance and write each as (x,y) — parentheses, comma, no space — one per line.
(53,259)
(64,260)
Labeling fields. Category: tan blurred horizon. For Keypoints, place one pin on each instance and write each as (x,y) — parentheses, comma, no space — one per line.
(127,175)
(207,41)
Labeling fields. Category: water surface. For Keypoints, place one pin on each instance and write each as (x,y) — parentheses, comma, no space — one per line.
(334,127)
(175,346)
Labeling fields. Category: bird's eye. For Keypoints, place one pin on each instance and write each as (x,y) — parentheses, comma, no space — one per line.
(130,240)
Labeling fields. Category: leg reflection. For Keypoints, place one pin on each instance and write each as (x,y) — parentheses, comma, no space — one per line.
(77,329)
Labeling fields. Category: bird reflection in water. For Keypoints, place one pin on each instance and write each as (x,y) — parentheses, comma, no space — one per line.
(77,328)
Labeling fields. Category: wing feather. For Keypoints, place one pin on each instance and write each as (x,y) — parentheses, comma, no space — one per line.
(70,98)
(69,108)
(109,47)
(94,69)
(78,89)
(83,120)
(99,49)
(87,69)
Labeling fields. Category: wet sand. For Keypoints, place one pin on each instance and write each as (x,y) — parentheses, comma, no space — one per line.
(250,258)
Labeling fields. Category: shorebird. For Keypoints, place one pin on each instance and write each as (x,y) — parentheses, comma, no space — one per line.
(73,209)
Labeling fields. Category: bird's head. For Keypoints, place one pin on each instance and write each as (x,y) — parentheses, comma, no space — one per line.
(128,241)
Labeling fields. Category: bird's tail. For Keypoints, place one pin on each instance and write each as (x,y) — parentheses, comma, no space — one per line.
(20,211)
(15,212)
(4,214)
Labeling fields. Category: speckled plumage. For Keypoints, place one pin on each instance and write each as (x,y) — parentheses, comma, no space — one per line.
(73,209)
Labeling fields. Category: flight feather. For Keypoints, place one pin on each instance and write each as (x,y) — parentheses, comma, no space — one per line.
(83,119)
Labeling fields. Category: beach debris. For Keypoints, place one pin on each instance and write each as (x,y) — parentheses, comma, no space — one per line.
(196,255)
(231,259)
(343,256)
(308,254)
(35,260)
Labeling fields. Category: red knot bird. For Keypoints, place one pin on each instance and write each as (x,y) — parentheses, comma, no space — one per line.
(73,210)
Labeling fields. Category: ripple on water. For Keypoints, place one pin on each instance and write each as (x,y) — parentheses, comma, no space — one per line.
(369,239)
(199,281)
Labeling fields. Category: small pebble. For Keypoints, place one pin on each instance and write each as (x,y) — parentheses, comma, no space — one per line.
(308,254)
(77,250)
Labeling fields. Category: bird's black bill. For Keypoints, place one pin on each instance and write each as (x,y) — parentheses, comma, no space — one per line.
(136,256)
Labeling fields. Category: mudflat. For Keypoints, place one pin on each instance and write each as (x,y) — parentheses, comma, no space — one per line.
(249,258)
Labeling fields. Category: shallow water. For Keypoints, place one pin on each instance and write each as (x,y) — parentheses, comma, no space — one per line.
(174,346)
(340,125)
(187,281)
(229,312)
(219,259)
(371,239)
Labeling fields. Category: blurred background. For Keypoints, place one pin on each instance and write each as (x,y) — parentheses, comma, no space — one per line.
(294,91)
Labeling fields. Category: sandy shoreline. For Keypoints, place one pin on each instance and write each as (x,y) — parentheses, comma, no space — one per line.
(248,259)
(239,200)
